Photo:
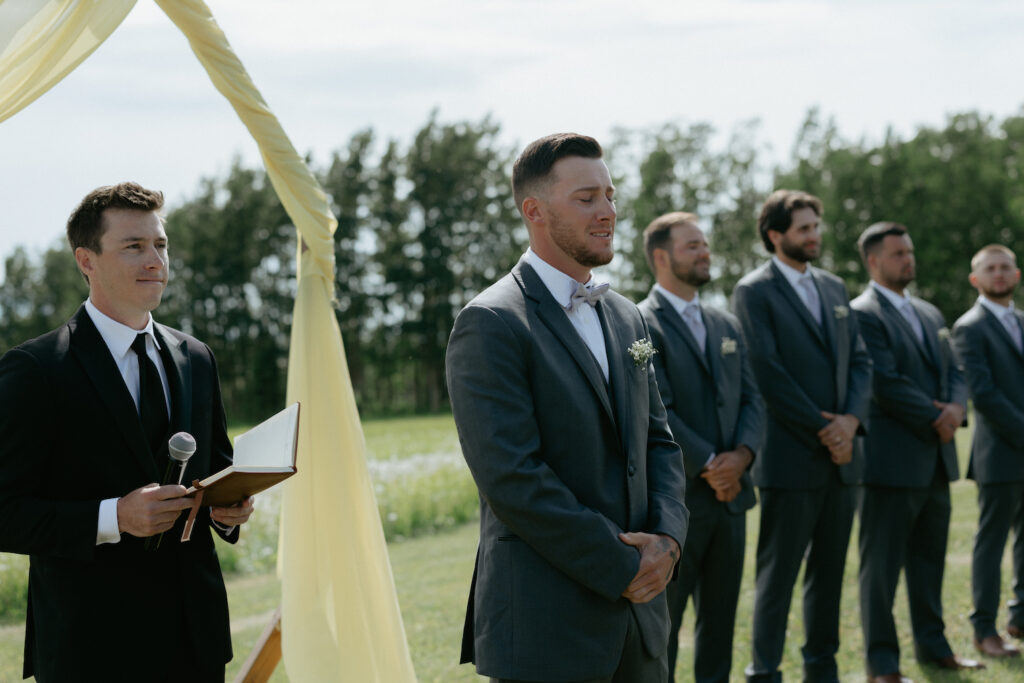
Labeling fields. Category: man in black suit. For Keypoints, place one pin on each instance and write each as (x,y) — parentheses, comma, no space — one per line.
(987,339)
(717,417)
(561,424)
(85,414)
(918,401)
(815,377)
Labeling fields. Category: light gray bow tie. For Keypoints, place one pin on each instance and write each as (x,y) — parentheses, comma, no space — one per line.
(583,293)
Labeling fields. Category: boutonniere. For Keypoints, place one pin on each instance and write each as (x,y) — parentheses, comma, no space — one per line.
(943,334)
(841,312)
(641,351)
(728,346)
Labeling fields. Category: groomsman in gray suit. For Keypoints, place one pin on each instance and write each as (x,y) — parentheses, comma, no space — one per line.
(987,339)
(717,417)
(918,401)
(815,377)
(561,424)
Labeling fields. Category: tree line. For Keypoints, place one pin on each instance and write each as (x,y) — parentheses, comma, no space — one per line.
(425,225)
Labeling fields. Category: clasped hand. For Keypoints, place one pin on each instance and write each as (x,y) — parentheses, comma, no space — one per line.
(948,421)
(724,471)
(658,557)
(153,509)
(838,436)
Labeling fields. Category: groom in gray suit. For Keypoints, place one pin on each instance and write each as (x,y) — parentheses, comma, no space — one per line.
(717,416)
(561,424)
(987,339)
(918,401)
(815,377)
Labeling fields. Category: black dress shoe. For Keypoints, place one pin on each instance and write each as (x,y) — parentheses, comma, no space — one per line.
(1015,631)
(954,663)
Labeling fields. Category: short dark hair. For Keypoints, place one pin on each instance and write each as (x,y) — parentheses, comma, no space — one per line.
(990,249)
(534,164)
(777,212)
(85,225)
(658,234)
(871,239)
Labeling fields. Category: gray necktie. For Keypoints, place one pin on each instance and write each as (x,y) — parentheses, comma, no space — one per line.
(812,300)
(691,314)
(1011,325)
(590,294)
(908,312)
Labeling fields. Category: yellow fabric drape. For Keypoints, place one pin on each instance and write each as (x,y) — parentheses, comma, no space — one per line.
(340,616)
(42,41)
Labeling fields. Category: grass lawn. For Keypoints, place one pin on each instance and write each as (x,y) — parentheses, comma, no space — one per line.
(432,574)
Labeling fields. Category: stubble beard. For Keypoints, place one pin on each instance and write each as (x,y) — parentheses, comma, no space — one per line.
(566,240)
(691,277)
(991,293)
(797,253)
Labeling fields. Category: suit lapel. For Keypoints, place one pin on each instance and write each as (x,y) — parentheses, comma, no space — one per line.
(554,318)
(931,336)
(671,318)
(94,357)
(896,318)
(790,295)
(615,348)
(1000,331)
(177,363)
(714,359)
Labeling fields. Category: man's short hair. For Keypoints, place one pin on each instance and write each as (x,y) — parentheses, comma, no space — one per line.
(85,225)
(991,249)
(658,234)
(871,239)
(777,212)
(533,166)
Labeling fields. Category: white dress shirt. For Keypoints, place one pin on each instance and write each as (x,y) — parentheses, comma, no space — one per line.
(584,319)
(118,338)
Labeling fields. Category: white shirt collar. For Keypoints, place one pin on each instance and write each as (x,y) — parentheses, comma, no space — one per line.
(117,336)
(678,302)
(897,300)
(793,276)
(997,309)
(558,283)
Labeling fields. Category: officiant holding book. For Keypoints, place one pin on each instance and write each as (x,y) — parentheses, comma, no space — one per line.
(86,411)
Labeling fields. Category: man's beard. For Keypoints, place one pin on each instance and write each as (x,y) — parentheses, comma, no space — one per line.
(691,277)
(1006,291)
(796,253)
(566,240)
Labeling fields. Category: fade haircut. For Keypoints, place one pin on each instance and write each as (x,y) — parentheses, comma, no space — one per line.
(992,249)
(871,239)
(777,212)
(85,225)
(658,235)
(533,167)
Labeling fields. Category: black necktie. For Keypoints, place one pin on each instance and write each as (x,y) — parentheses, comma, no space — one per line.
(152,405)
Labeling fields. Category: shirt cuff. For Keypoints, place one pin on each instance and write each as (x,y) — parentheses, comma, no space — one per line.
(710,458)
(106,527)
(225,529)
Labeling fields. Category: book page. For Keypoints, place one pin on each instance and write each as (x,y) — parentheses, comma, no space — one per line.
(270,443)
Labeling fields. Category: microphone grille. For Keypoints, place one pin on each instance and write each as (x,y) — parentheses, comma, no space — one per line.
(181,446)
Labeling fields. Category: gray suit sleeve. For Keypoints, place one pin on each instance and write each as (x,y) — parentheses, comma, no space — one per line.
(493,407)
(1005,417)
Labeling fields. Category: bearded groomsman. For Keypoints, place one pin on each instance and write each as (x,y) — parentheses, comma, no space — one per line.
(815,376)
(917,404)
(717,417)
(987,339)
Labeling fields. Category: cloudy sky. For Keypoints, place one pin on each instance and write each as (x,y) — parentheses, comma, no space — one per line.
(142,108)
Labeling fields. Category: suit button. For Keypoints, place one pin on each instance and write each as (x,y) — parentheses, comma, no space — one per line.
(631,470)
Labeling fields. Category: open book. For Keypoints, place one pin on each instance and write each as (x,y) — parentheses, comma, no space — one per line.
(264,456)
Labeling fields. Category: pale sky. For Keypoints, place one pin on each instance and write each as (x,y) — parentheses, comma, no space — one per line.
(141,107)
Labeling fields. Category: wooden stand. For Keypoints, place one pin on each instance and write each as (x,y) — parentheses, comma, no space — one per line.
(264,657)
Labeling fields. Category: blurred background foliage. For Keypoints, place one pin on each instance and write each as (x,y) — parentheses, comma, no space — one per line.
(426,224)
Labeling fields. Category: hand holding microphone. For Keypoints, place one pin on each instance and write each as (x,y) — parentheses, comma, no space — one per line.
(180,448)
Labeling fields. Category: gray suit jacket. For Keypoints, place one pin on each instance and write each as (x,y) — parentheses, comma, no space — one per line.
(711,398)
(902,448)
(801,370)
(994,369)
(563,464)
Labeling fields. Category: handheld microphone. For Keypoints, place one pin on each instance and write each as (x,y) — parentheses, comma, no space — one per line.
(180,448)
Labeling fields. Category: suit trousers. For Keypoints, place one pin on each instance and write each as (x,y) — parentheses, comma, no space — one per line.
(635,665)
(710,569)
(796,523)
(903,529)
(1001,508)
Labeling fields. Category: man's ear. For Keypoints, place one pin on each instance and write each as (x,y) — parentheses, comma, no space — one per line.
(84,257)
(532,211)
(660,257)
(973,279)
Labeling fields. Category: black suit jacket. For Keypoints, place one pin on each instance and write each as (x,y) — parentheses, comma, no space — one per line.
(902,448)
(563,463)
(802,369)
(994,369)
(70,437)
(711,398)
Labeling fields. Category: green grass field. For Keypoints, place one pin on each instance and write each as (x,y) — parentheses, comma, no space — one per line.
(432,573)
